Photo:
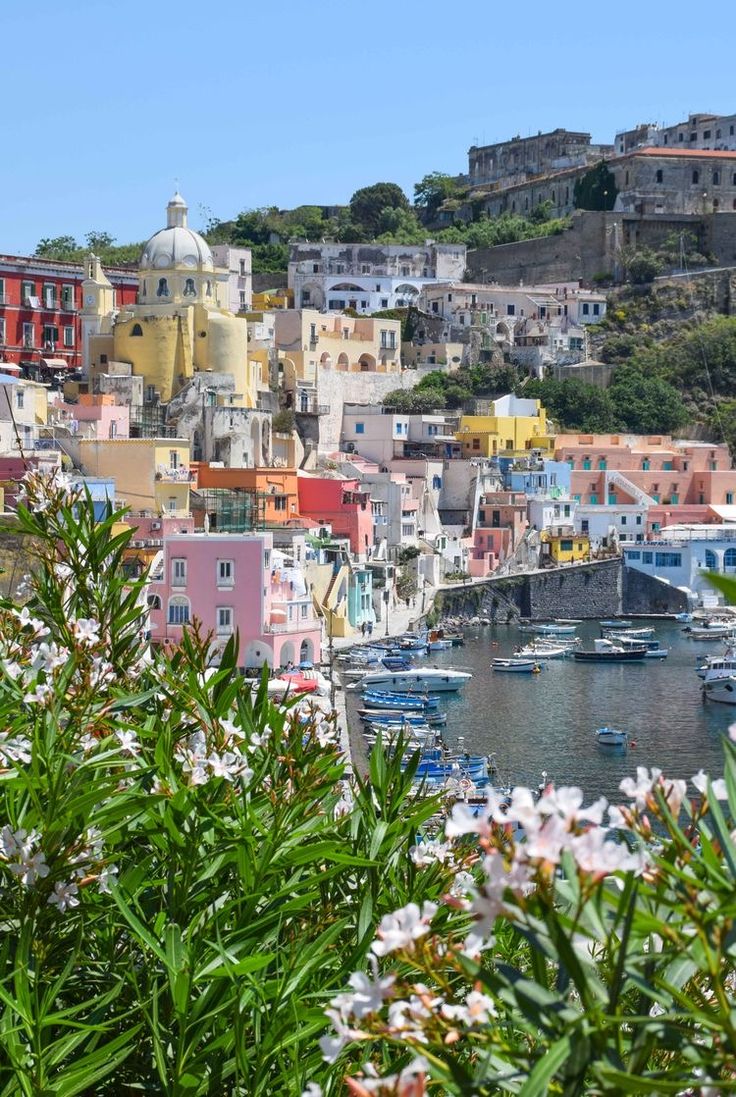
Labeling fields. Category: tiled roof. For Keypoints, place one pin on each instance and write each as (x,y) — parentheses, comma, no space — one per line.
(725,154)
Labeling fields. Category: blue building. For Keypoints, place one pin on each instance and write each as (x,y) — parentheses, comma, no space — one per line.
(543,477)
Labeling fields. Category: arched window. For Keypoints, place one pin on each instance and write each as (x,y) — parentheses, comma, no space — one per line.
(178,610)
(716,204)
(190,290)
(696,177)
(209,288)
(163,288)
(154,601)
(729,558)
(711,562)
(659,176)
(136,330)
(716,178)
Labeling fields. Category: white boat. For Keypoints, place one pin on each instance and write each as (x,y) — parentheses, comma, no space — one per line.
(543,651)
(629,643)
(629,633)
(516,665)
(612,737)
(722,689)
(421,680)
(710,632)
(555,630)
(611,622)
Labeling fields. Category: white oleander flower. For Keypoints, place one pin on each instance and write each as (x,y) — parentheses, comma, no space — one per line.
(64,896)
(402,928)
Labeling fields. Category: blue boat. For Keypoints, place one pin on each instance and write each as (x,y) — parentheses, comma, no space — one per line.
(408,701)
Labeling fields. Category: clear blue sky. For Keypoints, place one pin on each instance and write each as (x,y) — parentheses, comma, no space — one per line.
(295,102)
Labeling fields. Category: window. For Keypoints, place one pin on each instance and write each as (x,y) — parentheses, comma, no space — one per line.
(19,398)
(405,272)
(655,497)
(50,336)
(623,519)
(29,335)
(633,556)
(136,330)
(638,519)
(178,572)
(476,443)
(668,559)
(27,292)
(49,296)
(716,178)
(566,545)
(68,336)
(224,619)
(178,610)
(163,288)
(384,302)
(710,560)
(225,572)
(279,502)
(706,135)
(190,289)
(510,310)
(680,137)
(304,610)
(596,310)
(594,499)
(646,557)
(2,291)
(696,178)
(658,177)
(729,498)
(602,464)
(2,330)
(612,499)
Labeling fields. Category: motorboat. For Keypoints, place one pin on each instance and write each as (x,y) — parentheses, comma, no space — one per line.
(616,623)
(554,629)
(652,648)
(543,651)
(684,618)
(394,716)
(381,701)
(629,633)
(516,665)
(715,631)
(437,641)
(604,651)
(612,737)
(419,680)
(396,662)
(722,689)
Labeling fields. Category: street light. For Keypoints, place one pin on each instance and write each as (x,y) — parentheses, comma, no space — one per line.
(386,596)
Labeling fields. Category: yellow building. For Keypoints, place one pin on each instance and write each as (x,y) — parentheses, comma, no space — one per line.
(273,299)
(308,341)
(516,427)
(563,546)
(151,474)
(180,324)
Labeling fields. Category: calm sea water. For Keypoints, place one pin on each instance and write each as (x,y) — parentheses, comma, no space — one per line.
(546,721)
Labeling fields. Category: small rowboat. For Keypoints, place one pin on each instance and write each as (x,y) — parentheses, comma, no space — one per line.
(517,665)
(612,737)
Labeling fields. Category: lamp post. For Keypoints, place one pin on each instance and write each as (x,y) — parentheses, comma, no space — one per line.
(386,596)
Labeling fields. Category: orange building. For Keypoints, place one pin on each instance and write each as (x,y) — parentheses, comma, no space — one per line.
(278,488)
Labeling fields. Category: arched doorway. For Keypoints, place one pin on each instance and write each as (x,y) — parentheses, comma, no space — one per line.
(287,653)
(367,363)
(306,652)
(342,361)
(711,561)
(326,359)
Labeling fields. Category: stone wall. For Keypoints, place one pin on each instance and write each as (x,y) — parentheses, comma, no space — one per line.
(336,387)
(584,590)
(592,246)
(645,594)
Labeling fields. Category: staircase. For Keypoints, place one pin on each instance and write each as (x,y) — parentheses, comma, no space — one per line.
(619,480)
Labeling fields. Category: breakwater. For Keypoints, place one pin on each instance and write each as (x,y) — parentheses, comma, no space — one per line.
(600,589)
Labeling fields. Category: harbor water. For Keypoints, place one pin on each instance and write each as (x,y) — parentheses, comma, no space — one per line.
(546,722)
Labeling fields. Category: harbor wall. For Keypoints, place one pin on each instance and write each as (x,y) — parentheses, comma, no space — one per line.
(584,590)
(600,589)
(646,594)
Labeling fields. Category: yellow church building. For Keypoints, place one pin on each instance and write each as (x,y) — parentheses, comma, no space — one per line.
(180,324)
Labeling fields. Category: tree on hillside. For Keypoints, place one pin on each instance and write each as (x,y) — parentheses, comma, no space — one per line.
(367,205)
(646,404)
(399,226)
(432,190)
(596,190)
(62,248)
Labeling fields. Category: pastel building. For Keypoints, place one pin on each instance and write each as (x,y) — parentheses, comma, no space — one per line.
(502,522)
(151,474)
(235,583)
(93,416)
(674,479)
(681,554)
(515,427)
(344,505)
(181,322)
(275,490)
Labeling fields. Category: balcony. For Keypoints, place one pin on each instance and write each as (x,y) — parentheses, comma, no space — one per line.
(68,306)
(4,299)
(311,407)
(49,304)
(181,475)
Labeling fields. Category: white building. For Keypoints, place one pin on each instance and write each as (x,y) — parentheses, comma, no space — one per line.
(369,277)
(683,553)
(238,263)
(607,524)
(546,511)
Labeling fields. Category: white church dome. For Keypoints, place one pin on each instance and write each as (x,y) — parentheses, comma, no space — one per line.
(176,245)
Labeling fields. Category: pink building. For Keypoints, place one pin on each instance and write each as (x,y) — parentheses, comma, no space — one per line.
(95,416)
(502,521)
(678,479)
(343,504)
(235,582)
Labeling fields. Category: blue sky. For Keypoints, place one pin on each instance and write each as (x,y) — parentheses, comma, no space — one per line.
(293,102)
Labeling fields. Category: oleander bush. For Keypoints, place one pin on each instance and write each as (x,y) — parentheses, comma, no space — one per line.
(196,900)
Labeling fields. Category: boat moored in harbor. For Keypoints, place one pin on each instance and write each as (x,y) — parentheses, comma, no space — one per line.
(516,665)
(419,680)
(604,651)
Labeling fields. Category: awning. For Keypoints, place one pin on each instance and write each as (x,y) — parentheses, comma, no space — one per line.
(9,367)
(726,512)
(56,363)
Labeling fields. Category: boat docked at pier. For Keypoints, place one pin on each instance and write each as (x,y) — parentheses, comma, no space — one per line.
(418,680)
(719,678)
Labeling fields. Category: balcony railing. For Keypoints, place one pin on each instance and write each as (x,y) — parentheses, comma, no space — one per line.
(311,407)
(181,475)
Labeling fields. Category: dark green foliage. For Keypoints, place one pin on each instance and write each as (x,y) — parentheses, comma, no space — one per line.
(432,190)
(596,190)
(65,249)
(368,206)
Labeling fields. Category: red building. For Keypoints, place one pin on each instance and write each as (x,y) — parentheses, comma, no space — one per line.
(343,504)
(40,303)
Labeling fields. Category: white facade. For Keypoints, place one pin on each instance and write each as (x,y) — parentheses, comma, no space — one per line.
(546,511)
(683,553)
(607,523)
(238,263)
(369,277)
(373,434)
